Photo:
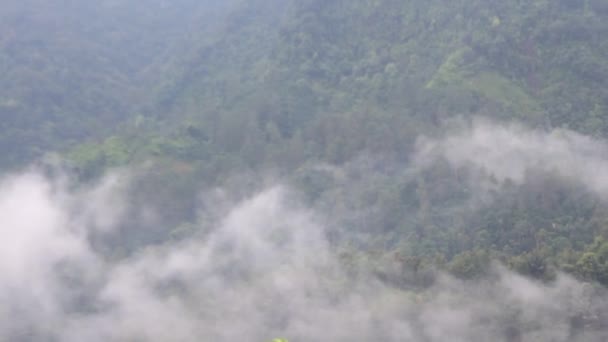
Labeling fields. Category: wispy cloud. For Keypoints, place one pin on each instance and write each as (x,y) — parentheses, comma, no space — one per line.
(508,152)
(265,270)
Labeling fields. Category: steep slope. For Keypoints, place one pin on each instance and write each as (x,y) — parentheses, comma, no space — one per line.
(354,83)
(75,70)
(332,96)
(286,69)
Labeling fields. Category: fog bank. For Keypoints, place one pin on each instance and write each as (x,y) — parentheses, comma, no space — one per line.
(509,152)
(265,270)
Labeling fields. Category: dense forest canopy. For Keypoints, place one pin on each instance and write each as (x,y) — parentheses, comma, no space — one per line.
(348,153)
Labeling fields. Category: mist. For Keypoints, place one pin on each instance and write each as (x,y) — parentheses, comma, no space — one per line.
(265,270)
(231,170)
(496,153)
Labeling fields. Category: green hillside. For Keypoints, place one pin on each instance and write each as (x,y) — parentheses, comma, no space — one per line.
(73,71)
(300,89)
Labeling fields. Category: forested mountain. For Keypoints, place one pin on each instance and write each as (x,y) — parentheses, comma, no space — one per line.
(429,135)
(76,70)
(289,63)
(211,89)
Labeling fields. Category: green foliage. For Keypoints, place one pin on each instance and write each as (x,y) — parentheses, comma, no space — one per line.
(469,264)
(92,159)
(308,89)
(534,264)
(498,88)
(593,263)
(453,70)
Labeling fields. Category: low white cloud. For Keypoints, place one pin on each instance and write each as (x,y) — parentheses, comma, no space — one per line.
(507,152)
(265,270)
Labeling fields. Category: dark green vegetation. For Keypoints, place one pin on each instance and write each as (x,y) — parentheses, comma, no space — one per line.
(210,93)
